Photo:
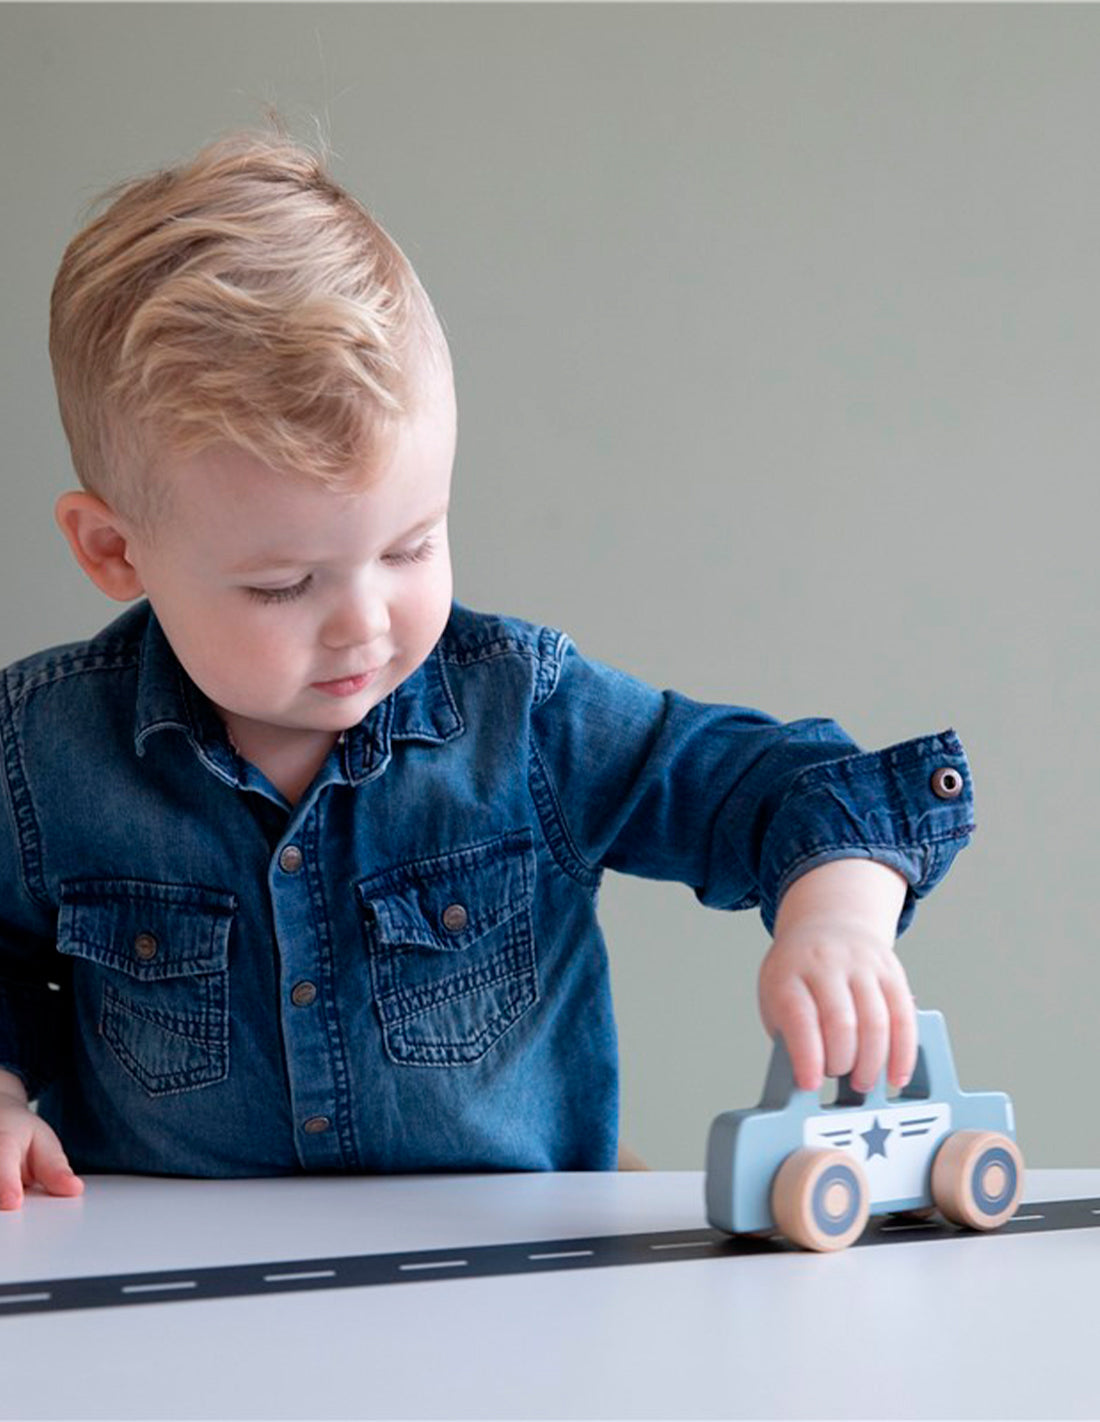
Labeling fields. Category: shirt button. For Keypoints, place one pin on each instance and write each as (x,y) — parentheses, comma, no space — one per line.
(315,1125)
(455,918)
(947,783)
(145,946)
(290,859)
(302,994)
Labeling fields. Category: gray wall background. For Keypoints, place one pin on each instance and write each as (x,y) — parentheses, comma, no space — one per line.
(777,334)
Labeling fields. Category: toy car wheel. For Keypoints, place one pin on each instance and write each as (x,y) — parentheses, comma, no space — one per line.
(820,1199)
(978,1178)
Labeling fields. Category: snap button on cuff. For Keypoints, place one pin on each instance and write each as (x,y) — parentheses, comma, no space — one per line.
(145,946)
(947,783)
(290,859)
(315,1125)
(302,994)
(455,918)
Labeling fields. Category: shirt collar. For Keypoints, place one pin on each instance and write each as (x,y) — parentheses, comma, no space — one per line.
(422,708)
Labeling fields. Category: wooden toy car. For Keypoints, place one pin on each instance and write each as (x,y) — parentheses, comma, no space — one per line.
(815,1172)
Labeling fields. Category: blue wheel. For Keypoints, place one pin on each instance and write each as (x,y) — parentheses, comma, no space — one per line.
(978,1178)
(820,1198)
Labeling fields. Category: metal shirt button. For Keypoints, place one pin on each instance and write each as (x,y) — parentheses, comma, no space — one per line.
(145,946)
(315,1125)
(302,994)
(290,859)
(947,783)
(455,918)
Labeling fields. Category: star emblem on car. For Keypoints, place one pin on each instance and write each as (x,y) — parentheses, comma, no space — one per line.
(876,1139)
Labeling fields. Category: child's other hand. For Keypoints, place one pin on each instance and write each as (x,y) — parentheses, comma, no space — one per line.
(30,1153)
(831,982)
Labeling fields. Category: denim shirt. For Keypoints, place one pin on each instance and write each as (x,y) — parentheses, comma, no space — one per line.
(404,970)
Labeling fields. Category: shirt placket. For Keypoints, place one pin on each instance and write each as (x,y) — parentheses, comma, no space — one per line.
(307,1003)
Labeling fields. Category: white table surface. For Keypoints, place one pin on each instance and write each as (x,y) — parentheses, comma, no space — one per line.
(964,1328)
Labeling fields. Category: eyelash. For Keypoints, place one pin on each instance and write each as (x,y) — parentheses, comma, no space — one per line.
(422,551)
(290,594)
(419,554)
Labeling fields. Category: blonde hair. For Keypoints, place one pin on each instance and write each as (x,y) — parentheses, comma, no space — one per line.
(241,297)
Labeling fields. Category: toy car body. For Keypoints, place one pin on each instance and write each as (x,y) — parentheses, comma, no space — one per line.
(815,1171)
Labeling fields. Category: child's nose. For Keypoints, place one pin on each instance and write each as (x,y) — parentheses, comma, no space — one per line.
(357,619)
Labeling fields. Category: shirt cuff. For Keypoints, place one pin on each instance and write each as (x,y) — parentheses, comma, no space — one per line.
(909,806)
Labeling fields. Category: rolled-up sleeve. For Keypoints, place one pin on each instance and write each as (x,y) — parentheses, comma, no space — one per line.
(727,799)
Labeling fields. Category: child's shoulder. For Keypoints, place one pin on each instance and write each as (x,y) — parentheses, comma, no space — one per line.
(116,647)
(481,636)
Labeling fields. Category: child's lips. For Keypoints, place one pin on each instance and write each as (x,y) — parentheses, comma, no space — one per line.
(346,685)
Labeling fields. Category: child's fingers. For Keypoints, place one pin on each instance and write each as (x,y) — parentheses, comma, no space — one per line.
(11,1175)
(839,1024)
(796,1019)
(873,1018)
(49,1166)
(903,1030)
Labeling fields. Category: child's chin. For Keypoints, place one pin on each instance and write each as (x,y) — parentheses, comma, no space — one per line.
(343,713)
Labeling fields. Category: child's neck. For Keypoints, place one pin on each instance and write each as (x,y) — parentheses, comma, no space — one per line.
(289,758)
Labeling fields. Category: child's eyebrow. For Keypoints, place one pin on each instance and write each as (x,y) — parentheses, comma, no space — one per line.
(276,558)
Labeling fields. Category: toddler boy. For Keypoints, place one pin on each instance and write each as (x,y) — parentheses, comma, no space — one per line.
(300,859)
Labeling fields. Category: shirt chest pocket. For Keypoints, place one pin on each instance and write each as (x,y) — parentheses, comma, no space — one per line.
(451,947)
(151,976)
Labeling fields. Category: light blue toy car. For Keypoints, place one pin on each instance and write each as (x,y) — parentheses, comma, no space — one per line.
(815,1172)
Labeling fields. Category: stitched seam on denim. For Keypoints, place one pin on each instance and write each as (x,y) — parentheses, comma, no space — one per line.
(169,1083)
(193,1027)
(24,816)
(513,850)
(477,631)
(336,1048)
(207,960)
(65,668)
(415,927)
(515,844)
(896,846)
(907,755)
(102,894)
(420,1055)
(504,645)
(524,996)
(139,971)
(166,1083)
(550,663)
(377,752)
(210,926)
(509,952)
(451,702)
(422,733)
(865,844)
(500,646)
(391,1009)
(511,960)
(554,828)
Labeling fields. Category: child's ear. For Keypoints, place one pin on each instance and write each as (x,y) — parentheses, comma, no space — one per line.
(100,544)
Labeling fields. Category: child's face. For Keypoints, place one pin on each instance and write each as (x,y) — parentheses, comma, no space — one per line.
(294,608)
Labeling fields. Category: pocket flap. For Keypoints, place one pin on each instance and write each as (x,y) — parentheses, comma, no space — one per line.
(148,931)
(449,901)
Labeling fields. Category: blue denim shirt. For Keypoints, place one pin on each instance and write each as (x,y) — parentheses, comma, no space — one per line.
(403,971)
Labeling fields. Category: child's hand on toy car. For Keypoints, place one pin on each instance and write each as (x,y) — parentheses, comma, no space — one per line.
(833,985)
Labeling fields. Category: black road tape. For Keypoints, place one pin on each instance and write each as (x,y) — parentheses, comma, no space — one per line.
(483,1261)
